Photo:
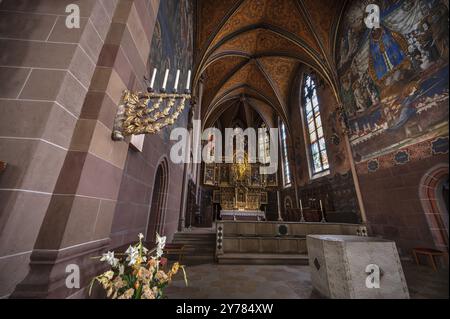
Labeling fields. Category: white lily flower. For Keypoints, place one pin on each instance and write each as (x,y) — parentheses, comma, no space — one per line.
(133,254)
(131,250)
(161,243)
(132,261)
(110,259)
(141,236)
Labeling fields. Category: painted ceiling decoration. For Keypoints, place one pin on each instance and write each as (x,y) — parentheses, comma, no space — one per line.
(253,49)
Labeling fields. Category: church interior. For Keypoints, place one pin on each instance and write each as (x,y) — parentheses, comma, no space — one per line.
(349,102)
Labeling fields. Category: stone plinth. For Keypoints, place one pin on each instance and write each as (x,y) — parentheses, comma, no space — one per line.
(339,267)
(255,215)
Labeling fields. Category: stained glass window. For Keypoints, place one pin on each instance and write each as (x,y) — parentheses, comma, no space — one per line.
(318,148)
(264,144)
(211,149)
(284,150)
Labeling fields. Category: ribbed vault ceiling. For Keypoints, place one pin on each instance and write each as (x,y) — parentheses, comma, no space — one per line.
(253,49)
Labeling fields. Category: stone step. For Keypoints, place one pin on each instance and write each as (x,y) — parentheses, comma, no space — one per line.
(262,259)
(194,237)
(194,242)
(197,260)
(199,247)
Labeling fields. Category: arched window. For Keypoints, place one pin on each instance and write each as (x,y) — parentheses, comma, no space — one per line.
(284,152)
(264,144)
(317,147)
(211,154)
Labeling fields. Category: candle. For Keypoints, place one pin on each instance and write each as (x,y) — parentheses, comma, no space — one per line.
(302,218)
(188,83)
(166,76)
(176,80)
(152,83)
(321,210)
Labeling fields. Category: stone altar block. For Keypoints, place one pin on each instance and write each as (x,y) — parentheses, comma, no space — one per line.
(256,215)
(338,267)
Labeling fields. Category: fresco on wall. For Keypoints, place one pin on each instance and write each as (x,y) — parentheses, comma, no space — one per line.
(394,79)
(172,46)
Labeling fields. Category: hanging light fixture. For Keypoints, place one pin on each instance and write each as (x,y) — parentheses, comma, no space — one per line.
(149,112)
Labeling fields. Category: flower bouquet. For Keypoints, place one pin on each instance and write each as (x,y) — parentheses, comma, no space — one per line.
(137,274)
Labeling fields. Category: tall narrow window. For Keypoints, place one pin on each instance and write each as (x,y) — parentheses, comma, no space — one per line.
(284,150)
(317,145)
(211,149)
(264,144)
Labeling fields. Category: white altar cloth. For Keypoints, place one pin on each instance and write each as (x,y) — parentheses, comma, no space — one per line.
(243,213)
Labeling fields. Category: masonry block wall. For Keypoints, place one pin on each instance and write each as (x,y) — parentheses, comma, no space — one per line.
(62,87)
(135,198)
(134,202)
(398,122)
(394,201)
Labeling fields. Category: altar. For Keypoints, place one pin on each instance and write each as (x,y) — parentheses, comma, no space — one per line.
(239,191)
(255,215)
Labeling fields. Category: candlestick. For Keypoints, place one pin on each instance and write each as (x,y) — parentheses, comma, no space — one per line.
(152,83)
(302,218)
(177,77)
(166,76)
(188,82)
(321,210)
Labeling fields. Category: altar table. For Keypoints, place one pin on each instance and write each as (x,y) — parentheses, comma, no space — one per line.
(242,215)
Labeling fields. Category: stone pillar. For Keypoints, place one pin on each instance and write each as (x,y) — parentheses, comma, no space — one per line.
(75,169)
(44,74)
(198,116)
(355,179)
(280,218)
(184,199)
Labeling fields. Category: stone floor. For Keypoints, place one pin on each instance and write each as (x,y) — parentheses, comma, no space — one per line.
(213,281)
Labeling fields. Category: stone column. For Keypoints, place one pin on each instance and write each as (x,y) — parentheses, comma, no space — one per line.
(198,116)
(354,175)
(76,221)
(44,74)
(184,199)
(280,218)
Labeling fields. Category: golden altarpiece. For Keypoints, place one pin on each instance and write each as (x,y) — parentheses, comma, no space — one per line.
(239,188)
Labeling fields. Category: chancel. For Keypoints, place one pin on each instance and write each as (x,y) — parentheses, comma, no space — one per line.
(224,149)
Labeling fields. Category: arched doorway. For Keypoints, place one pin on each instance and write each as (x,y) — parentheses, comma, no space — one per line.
(434,199)
(158,203)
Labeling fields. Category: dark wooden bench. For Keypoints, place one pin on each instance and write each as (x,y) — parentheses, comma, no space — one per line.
(175,249)
(430,253)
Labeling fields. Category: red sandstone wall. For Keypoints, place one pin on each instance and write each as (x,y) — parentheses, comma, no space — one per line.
(134,201)
(136,190)
(392,199)
(64,173)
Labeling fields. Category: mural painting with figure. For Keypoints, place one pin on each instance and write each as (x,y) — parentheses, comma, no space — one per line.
(395,77)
